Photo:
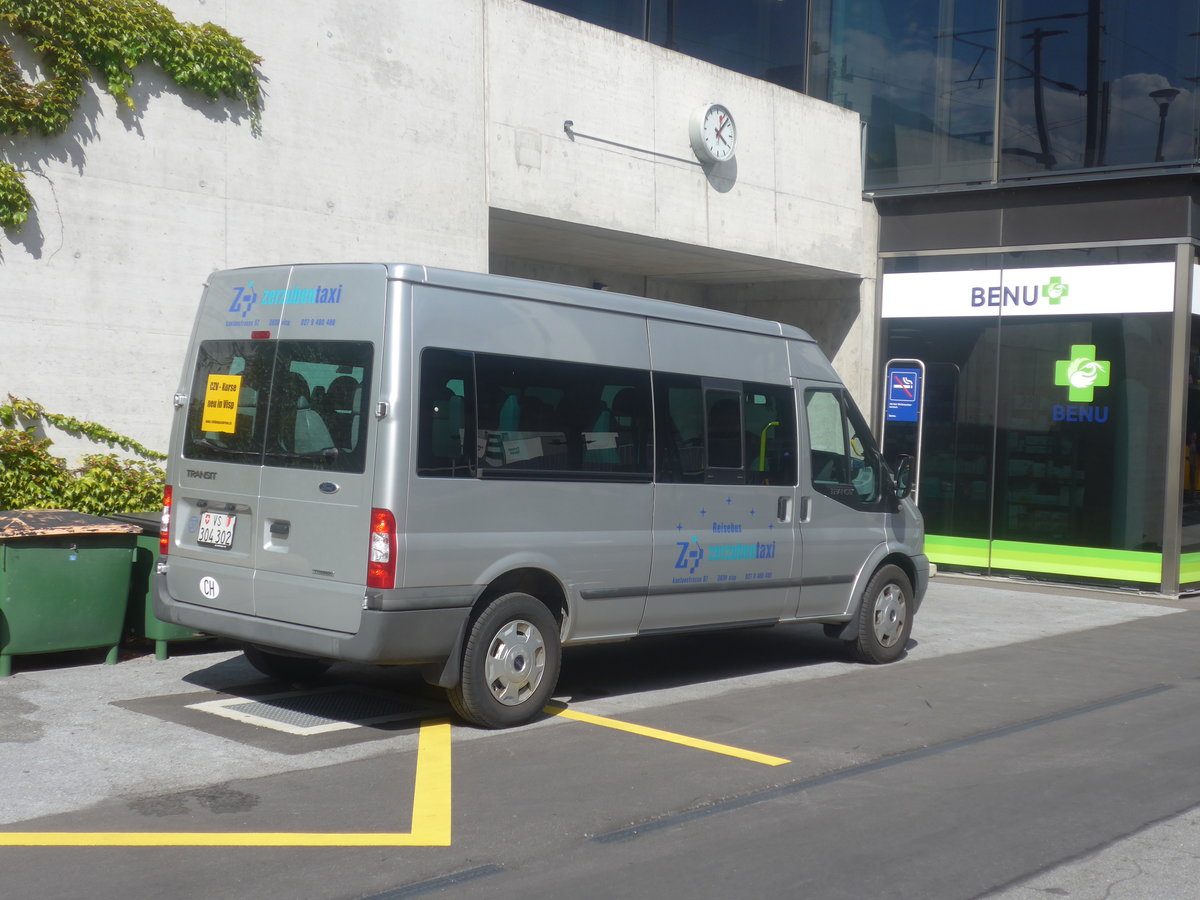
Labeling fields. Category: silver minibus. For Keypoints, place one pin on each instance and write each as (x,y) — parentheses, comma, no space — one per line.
(394,464)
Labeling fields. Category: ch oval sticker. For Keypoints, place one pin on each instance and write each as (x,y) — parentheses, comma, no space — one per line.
(209,588)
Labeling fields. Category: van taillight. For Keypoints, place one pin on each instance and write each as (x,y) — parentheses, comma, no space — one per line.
(164,532)
(381,564)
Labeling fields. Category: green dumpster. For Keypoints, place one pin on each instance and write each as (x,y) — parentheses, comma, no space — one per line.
(64,582)
(140,620)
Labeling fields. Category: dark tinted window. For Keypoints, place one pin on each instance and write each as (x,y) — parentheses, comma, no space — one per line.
(922,74)
(724,434)
(762,38)
(626,16)
(1092,83)
(508,416)
(723,429)
(290,404)
(446,420)
(679,427)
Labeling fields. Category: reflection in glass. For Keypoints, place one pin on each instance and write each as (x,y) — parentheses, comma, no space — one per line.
(1190,523)
(1083,475)
(625,16)
(1009,457)
(761,38)
(1094,83)
(923,76)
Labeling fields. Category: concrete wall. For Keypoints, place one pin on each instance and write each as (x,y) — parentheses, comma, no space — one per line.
(370,148)
(392,131)
(788,196)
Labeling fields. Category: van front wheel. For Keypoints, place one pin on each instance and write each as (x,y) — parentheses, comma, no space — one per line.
(884,618)
(510,663)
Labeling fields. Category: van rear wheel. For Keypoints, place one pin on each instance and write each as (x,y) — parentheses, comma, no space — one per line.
(510,663)
(283,667)
(884,618)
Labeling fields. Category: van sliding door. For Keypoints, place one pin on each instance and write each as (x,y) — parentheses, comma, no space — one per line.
(724,503)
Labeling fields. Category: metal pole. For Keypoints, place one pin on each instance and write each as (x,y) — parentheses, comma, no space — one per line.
(1177,398)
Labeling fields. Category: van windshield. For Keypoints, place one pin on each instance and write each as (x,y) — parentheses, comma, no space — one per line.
(289,404)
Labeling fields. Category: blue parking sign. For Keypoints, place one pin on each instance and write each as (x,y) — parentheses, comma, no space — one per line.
(903,395)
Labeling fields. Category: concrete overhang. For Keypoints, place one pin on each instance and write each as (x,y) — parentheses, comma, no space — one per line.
(587,246)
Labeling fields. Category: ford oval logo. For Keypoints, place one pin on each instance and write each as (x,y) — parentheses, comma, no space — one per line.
(327,487)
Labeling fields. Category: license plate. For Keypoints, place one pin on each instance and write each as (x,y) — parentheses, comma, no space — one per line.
(216,530)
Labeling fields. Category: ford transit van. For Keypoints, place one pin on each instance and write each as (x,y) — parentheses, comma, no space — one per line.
(395,464)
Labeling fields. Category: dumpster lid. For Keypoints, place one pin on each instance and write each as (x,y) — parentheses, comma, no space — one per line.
(149,522)
(19,523)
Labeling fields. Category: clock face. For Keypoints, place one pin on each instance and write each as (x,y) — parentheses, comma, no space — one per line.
(713,133)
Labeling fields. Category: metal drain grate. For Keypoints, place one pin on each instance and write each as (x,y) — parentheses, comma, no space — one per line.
(318,711)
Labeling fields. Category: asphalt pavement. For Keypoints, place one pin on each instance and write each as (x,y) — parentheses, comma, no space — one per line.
(75,734)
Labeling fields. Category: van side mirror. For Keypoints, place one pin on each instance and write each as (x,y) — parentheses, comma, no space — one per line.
(904,477)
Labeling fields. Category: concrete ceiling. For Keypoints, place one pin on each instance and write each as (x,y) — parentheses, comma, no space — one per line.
(586,246)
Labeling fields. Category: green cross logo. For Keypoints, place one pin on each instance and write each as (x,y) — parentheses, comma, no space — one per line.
(1082,372)
(1055,290)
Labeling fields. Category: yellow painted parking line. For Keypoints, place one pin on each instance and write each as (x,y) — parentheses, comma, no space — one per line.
(430,817)
(673,738)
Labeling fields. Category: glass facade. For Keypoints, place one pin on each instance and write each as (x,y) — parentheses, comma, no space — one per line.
(922,74)
(1095,83)
(762,38)
(1045,423)
(1087,84)
(1026,468)
(959,91)
(1189,568)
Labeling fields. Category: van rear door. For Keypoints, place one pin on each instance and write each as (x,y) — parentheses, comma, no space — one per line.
(288,426)
(315,493)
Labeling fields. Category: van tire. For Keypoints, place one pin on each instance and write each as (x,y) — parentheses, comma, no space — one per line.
(283,667)
(510,663)
(884,617)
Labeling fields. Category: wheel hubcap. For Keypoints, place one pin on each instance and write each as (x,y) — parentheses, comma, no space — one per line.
(890,615)
(516,661)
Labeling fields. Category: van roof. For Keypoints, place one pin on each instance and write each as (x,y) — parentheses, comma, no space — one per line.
(577,296)
(570,295)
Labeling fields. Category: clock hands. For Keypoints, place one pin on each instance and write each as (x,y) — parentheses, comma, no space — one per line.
(713,133)
(720,128)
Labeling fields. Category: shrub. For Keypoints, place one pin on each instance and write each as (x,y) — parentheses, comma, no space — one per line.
(32,477)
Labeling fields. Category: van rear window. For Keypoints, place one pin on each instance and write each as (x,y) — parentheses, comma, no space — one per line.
(288,404)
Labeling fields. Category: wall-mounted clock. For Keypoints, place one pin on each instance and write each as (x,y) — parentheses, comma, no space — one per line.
(712,133)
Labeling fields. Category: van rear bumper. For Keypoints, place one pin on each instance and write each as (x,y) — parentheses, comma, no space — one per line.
(384,637)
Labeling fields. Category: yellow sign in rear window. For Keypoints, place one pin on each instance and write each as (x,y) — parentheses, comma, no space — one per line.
(221,403)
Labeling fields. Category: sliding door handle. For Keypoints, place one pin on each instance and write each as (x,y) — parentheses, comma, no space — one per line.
(805,512)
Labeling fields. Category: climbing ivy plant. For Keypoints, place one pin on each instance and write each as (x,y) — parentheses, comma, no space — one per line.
(32,477)
(110,38)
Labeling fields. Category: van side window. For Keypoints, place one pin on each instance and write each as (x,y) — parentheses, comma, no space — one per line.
(845,463)
(741,434)
(679,429)
(533,418)
(770,423)
(723,430)
(446,415)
